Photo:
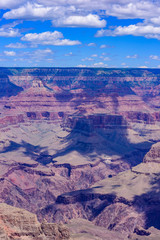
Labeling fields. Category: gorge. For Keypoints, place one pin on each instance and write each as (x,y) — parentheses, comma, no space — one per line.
(81,146)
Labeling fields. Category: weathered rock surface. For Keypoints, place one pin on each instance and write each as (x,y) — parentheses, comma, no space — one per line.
(19,224)
(16,223)
(122,203)
(82,229)
(82,143)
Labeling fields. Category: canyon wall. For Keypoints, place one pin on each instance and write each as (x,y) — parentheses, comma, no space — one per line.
(82,144)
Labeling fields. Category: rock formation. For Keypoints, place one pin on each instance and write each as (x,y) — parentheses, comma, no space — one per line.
(16,223)
(82,144)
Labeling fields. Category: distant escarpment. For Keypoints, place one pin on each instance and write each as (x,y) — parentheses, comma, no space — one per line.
(53,94)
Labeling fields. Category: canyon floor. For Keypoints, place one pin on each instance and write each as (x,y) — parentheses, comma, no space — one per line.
(79,151)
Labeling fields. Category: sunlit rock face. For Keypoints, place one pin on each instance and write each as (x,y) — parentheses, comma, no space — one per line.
(82,143)
(20,224)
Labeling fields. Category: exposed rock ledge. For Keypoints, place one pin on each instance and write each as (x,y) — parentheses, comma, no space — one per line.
(19,224)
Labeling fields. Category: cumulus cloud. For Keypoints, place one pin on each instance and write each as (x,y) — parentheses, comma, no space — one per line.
(8,4)
(42,8)
(49,38)
(148,31)
(10,53)
(134,9)
(154,57)
(80,13)
(81,21)
(155,20)
(28,11)
(90,13)
(60,15)
(8,30)
(11,32)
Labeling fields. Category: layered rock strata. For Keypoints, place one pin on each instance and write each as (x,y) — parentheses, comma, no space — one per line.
(82,143)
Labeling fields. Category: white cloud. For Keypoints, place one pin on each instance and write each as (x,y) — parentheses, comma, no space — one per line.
(61,15)
(103,46)
(10,32)
(28,11)
(10,53)
(91,45)
(154,57)
(81,21)
(148,31)
(8,4)
(142,67)
(87,13)
(49,38)
(134,9)
(155,20)
(49,9)
(100,64)
(16,45)
(81,65)
(132,56)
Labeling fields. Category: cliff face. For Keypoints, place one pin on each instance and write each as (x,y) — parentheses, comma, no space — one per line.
(124,203)
(133,94)
(20,224)
(82,143)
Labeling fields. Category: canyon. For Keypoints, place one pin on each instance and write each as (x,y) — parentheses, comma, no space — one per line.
(80,148)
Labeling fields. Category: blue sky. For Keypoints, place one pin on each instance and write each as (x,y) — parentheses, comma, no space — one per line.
(80,33)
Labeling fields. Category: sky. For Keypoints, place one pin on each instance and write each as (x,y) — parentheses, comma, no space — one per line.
(80,33)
